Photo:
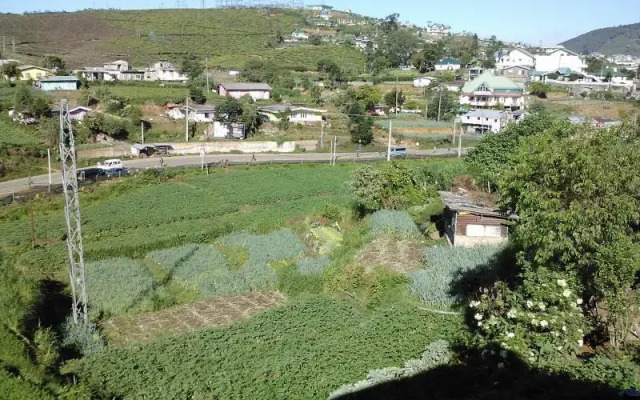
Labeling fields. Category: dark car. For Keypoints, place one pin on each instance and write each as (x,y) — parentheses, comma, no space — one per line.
(89,174)
(115,172)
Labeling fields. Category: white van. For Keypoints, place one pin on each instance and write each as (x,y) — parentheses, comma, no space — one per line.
(111,164)
(398,151)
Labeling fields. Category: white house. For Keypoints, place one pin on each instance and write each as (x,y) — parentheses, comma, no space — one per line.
(196,112)
(298,114)
(483,121)
(164,71)
(559,58)
(223,130)
(118,65)
(448,64)
(509,58)
(438,29)
(423,81)
(489,90)
(76,113)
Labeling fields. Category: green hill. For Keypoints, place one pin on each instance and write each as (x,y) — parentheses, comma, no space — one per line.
(229,37)
(624,39)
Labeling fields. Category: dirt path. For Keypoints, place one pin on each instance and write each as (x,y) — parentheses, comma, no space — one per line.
(210,313)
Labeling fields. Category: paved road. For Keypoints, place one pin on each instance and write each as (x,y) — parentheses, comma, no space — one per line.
(19,185)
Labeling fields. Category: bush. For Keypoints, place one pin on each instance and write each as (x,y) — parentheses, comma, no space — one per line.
(398,222)
(436,354)
(84,339)
(313,266)
(443,265)
(116,284)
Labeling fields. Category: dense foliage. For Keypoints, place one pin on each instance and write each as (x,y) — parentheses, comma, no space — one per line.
(297,344)
(441,280)
(396,222)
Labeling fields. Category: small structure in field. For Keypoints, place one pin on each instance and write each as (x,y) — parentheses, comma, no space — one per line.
(76,113)
(54,83)
(257,91)
(470,222)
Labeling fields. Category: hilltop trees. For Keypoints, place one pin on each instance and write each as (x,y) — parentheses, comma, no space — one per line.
(426,59)
(54,62)
(399,46)
(191,66)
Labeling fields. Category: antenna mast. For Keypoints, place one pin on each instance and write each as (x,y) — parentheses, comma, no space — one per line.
(72,216)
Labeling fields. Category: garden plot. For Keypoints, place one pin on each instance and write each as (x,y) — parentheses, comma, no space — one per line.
(392,253)
(210,313)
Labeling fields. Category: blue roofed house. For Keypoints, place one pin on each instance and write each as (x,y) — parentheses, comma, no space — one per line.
(53,83)
(448,64)
(491,91)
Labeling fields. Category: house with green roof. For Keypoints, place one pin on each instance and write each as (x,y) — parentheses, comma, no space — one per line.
(448,64)
(493,91)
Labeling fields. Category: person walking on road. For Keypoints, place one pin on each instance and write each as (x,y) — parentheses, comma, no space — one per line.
(253,157)
(161,162)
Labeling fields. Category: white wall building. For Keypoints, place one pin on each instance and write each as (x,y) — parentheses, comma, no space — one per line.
(511,58)
(164,71)
(483,121)
(559,58)
(196,113)
(423,81)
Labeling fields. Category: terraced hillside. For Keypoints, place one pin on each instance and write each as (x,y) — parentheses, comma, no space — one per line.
(228,37)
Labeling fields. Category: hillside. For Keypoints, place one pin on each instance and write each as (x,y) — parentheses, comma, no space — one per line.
(229,37)
(624,39)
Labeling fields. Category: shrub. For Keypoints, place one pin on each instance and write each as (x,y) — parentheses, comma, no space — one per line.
(443,265)
(436,354)
(397,222)
(116,284)
(312,266)
(85,339)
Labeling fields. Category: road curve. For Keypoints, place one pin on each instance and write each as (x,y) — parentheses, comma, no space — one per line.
(18,185)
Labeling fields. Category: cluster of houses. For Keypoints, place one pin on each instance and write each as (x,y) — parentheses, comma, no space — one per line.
(120,70)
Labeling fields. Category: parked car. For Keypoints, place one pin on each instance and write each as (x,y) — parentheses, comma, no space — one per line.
(89,174)
(115,172)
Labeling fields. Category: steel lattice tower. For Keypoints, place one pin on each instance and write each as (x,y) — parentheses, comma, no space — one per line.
(72,216)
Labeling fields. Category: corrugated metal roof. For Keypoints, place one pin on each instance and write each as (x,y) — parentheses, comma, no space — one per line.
(246,86)
(464,203)
(493,81)
(59,79)
(486,114)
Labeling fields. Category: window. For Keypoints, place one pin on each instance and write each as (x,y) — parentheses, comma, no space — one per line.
(484,231)
(302,115)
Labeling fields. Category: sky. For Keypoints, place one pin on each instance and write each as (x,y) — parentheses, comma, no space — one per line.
(532,22)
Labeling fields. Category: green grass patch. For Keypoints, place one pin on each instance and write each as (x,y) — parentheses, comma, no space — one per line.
(305,350)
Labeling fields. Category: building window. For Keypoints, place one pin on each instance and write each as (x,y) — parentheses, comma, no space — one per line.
(484,231)
(302,115)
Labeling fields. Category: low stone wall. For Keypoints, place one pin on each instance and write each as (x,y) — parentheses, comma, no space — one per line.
(183,148)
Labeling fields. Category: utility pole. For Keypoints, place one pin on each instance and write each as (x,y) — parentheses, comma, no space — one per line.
(141,132)
(389,142)
(439,103)
(206,63)
(186,120)
(396,89)
(72,216)
(460,143)
(49,163)
(453,140)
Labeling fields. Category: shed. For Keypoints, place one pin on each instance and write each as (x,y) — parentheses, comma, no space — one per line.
(470,222)
(53,83)
(257,91)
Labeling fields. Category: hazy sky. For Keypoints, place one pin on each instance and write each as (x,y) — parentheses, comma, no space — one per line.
(533,21)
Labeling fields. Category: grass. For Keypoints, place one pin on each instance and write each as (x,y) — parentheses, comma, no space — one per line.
(396,222)
(304,350)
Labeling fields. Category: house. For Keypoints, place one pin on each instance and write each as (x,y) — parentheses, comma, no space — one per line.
(475,72)
(423,81)
(448,64)
(53,83)
(31,72)
(509,58)
(298,114)
(560,58)
(131,75)
(438,30)
(195,112)
(300,35)
(223,130)
(96,74)
(516,72)
(76,113)
(483,121)
(469,222)
(164,71)
(257,91)
(489,90)
(119,65)
(319,7)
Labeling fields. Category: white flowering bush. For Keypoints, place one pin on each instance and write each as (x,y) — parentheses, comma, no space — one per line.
(540,322)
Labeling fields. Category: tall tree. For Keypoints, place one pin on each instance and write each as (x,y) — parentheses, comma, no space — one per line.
(229,111)
(390,23)
(426,59)
(400,46)
(11,71)
(191,66)
(394,97)
(53,62)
